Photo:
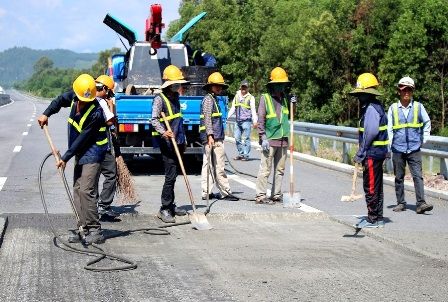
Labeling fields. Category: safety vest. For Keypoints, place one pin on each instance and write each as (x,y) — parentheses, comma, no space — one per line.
(174,117)
(408,132)
(378,148)
(217,124)
(276,128)
(242,109)
(96,151)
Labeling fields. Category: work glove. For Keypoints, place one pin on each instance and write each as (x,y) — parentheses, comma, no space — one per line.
(293,98)
(265,145)
(357,159)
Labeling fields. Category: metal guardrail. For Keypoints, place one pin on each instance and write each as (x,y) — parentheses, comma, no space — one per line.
(435,147)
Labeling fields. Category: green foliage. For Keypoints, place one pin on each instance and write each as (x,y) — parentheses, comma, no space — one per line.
(324,45)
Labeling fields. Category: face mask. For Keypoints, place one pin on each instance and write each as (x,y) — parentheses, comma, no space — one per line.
(365,98)
(278,88)
(175,87)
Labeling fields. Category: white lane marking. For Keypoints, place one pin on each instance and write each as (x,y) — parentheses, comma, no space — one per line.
(28,125)
(10,103)
(17,149)
(252,185)
(32,120)
(25,133)
(2,182)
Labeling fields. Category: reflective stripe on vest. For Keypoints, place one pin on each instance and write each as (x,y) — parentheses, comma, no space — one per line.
(270,107)
(414,124)
(78,127)
(244,104)
(170,114)
(377,143)
(214,114)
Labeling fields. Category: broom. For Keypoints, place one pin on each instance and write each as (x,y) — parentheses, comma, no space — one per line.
(125,183)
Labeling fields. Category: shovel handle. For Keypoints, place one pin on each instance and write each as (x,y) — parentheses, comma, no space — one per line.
(176,149)
(355,175)
(291,149)
(50,142)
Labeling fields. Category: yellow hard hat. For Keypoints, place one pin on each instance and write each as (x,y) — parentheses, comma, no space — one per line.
(172,73)
(106,80)
(366,83)
(278,75)
(215,79)
(84,87)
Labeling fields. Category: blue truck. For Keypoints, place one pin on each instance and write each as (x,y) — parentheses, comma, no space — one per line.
(138,77)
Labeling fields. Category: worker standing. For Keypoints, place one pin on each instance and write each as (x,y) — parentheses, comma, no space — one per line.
(87,142)
(243,105)
(409,127)
(212,135)
(373,148)
(105,94)
(273,132)
(168,103)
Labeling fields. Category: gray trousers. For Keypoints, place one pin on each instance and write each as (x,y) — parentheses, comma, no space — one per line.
(276,156)
(109,171)
(415,166)
(85,191)
(217,166)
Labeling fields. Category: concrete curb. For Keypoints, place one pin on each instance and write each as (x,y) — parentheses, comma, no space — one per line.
(345,168)
(3,225)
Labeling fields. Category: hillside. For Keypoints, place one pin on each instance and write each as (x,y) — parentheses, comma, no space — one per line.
(16,64)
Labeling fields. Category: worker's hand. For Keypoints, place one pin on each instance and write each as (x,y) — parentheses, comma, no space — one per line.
(211,141)
(265,145)
(168,134)
(293,98)
(61,164)
(255,125)
(388,155)
(42,120)
(357,159)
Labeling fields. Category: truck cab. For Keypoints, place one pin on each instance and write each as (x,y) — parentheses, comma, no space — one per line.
(138,77)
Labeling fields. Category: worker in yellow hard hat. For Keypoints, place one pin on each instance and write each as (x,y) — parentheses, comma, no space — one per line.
(168,102)
(87,142)
(105,95)
(212,136)
(372,148)
(273,132)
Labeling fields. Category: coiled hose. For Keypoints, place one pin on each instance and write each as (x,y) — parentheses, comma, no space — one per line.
(96,251)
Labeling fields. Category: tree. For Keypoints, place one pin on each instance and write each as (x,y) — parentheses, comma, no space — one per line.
(42,64)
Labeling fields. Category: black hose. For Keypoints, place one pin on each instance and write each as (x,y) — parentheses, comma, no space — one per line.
(129,264)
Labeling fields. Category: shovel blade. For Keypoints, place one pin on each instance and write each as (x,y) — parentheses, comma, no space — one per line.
(351,198)
(292,200)
(199,222)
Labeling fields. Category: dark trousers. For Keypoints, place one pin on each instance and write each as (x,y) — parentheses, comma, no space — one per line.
(85,191)
(170,163)
(414,160)
(373,188)
(109,171)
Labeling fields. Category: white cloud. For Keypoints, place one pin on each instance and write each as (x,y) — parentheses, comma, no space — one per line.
(2,12)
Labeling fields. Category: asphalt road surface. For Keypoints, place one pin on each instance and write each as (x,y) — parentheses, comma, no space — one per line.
(254,253)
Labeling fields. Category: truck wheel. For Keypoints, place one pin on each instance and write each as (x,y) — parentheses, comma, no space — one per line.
(130,90)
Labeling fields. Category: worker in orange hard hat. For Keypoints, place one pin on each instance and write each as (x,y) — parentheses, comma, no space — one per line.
(168,102)
(212,136)
(273,132)
(87,142)
(105,96)
(373,148)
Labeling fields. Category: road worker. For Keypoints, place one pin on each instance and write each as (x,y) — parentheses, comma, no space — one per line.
(87,142)
(168,102)
(409,127)
(273,132)
(104,87)
(212,135)
(373,148)
(243,105)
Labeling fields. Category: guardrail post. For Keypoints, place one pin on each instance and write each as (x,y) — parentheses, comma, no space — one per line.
(314,142)
(345,152)
(389,165)
(431,164)
(444,167)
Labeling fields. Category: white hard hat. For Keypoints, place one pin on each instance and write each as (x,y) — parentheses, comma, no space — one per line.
(406,82)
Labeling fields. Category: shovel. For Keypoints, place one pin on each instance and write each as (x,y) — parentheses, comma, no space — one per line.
(353,197)
(291,199)
(198,220)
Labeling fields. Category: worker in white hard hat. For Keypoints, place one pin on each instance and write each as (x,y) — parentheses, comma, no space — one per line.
(409,127)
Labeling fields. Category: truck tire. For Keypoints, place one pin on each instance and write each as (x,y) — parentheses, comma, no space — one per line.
(198,74)
(130,90)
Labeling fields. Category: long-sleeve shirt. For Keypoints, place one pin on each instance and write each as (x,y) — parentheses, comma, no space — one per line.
(426,120)
(239,97)
(371,130)
(262,121)
(157,108)
(90,128)
(208,104)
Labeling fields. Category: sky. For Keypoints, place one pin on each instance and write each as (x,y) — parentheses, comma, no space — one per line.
(76,25)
